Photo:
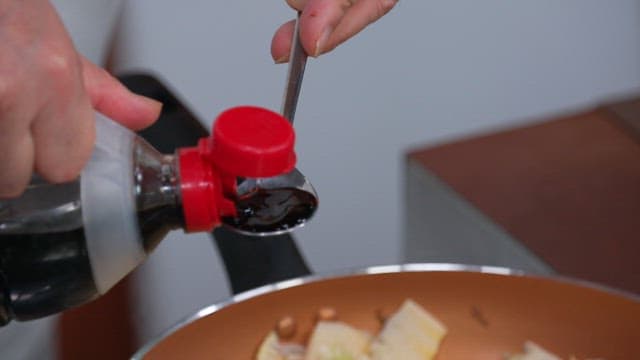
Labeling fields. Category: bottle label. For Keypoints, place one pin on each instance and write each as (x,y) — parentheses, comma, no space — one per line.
(108,205)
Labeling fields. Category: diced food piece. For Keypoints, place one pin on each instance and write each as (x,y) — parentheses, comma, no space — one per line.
(268,350)
(410,333)
(292,351)
(286,327)
(533,351)
(332,340)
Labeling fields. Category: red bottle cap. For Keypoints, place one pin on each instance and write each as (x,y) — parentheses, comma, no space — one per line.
(252,142)
(246,142)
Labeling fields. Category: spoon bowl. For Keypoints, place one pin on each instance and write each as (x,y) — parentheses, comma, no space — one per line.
(273,206)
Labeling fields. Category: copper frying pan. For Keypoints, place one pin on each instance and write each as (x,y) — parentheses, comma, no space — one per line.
(488,311)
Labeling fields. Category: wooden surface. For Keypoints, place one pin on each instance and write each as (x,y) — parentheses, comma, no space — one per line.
(568,188)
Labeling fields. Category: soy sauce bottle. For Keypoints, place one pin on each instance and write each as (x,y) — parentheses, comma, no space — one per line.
(66,244)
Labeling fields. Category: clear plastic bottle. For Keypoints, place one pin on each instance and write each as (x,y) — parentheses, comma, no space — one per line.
(63,245)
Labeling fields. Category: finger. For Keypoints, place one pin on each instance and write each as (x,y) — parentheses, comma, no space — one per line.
(16,161)
(16,145)
(115,101)
(318,21)
(281,43)
(363,13)
(63,136)
(297,4)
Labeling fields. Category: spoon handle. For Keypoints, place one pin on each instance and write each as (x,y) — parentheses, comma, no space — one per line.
(297,63)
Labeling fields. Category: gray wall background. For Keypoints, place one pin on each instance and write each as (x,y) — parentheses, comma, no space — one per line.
(428,72)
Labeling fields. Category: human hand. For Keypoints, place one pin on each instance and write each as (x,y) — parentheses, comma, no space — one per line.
(48,95)
(325,24)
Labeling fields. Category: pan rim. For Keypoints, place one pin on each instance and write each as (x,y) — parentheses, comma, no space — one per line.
(374,270)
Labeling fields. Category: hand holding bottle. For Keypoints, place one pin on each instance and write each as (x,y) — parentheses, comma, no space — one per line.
(48,97)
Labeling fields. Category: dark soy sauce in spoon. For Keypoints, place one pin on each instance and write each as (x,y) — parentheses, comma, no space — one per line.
(272,210)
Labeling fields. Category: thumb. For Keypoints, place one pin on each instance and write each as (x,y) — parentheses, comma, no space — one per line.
(114,100)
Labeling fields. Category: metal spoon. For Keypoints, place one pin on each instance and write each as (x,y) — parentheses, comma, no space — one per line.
(297,64)
(277,205)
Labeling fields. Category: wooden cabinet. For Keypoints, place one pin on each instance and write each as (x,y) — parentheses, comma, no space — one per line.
(560,195)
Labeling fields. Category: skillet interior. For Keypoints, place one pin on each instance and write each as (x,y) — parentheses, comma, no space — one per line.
(486,314)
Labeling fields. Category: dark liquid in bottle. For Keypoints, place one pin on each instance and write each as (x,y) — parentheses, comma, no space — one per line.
(45,265)
(271,210)
(45,273)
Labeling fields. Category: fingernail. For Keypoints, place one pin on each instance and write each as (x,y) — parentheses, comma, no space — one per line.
(149,103)
(387,5)
(296,4)
(282,60)
(322,41)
